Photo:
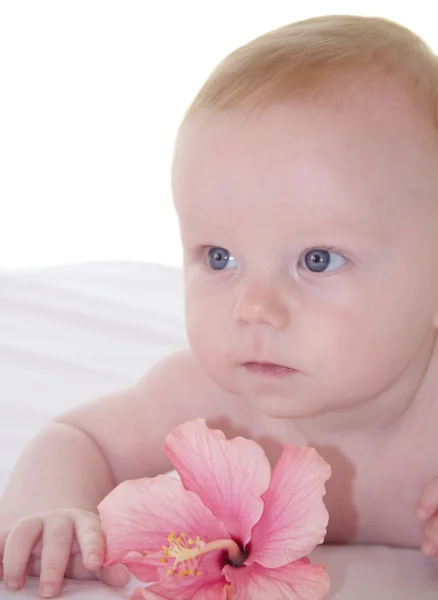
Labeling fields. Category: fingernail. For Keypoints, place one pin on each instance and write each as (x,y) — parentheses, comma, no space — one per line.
(48,590)
(12,584)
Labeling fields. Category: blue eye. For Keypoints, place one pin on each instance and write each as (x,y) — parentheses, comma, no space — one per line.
(319,260)
(219,259)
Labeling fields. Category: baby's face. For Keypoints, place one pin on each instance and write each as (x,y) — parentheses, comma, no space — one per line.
(310,243)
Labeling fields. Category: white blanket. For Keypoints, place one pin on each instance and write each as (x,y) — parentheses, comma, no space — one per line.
(71,333)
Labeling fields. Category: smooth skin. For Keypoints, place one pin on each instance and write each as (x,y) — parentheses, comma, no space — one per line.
(309,235)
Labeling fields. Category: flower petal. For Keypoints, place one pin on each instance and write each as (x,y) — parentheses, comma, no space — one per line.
(229,476)
(298,580)
(211,585)
(137,516)
(295,518)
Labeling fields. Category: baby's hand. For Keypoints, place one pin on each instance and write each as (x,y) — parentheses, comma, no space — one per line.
(427,511)
(143,594)
(54,544)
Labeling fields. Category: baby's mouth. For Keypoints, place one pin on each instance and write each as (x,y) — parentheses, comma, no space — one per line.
(268,369)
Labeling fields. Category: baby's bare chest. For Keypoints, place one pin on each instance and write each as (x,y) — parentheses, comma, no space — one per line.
(375,485)
(376,478)
(372,495)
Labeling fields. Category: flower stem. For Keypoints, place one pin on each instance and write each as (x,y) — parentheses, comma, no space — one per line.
(235,554)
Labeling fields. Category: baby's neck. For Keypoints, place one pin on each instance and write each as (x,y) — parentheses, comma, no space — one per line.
(396,405)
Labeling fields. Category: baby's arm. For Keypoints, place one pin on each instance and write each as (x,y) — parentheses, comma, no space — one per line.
(75,461)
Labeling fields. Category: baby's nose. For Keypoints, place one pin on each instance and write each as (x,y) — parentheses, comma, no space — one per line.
(261,304)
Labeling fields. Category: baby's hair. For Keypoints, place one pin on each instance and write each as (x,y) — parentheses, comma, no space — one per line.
(312,57)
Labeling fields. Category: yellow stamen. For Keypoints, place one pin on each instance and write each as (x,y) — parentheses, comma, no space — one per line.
(186,551)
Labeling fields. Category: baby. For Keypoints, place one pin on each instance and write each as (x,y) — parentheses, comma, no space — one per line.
(305,178)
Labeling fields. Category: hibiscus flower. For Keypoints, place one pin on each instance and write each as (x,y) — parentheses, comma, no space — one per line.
(228,529)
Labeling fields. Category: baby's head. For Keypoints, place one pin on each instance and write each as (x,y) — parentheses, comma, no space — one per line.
(305,178)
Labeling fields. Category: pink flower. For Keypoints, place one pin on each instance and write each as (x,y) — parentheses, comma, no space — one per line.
(230,529)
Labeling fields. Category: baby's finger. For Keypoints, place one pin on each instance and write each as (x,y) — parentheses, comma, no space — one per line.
(429,545)
(55,554)
(114,575)
(18,548)
(75,568)
(142,594)
(91,542)
(3,538)
(427,505)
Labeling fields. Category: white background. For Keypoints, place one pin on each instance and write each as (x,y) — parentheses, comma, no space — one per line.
(91,94)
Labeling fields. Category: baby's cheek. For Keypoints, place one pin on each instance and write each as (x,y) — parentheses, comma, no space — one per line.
(340,344)
(201,328)
(208,338)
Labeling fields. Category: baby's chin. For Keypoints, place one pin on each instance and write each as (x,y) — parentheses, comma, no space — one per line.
(284,404)
(287,408)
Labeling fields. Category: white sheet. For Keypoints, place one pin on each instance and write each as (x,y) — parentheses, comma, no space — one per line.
(71,333)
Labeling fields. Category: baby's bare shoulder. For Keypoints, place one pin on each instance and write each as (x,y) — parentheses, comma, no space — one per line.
(130,426)
(180,385)
(184,392)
